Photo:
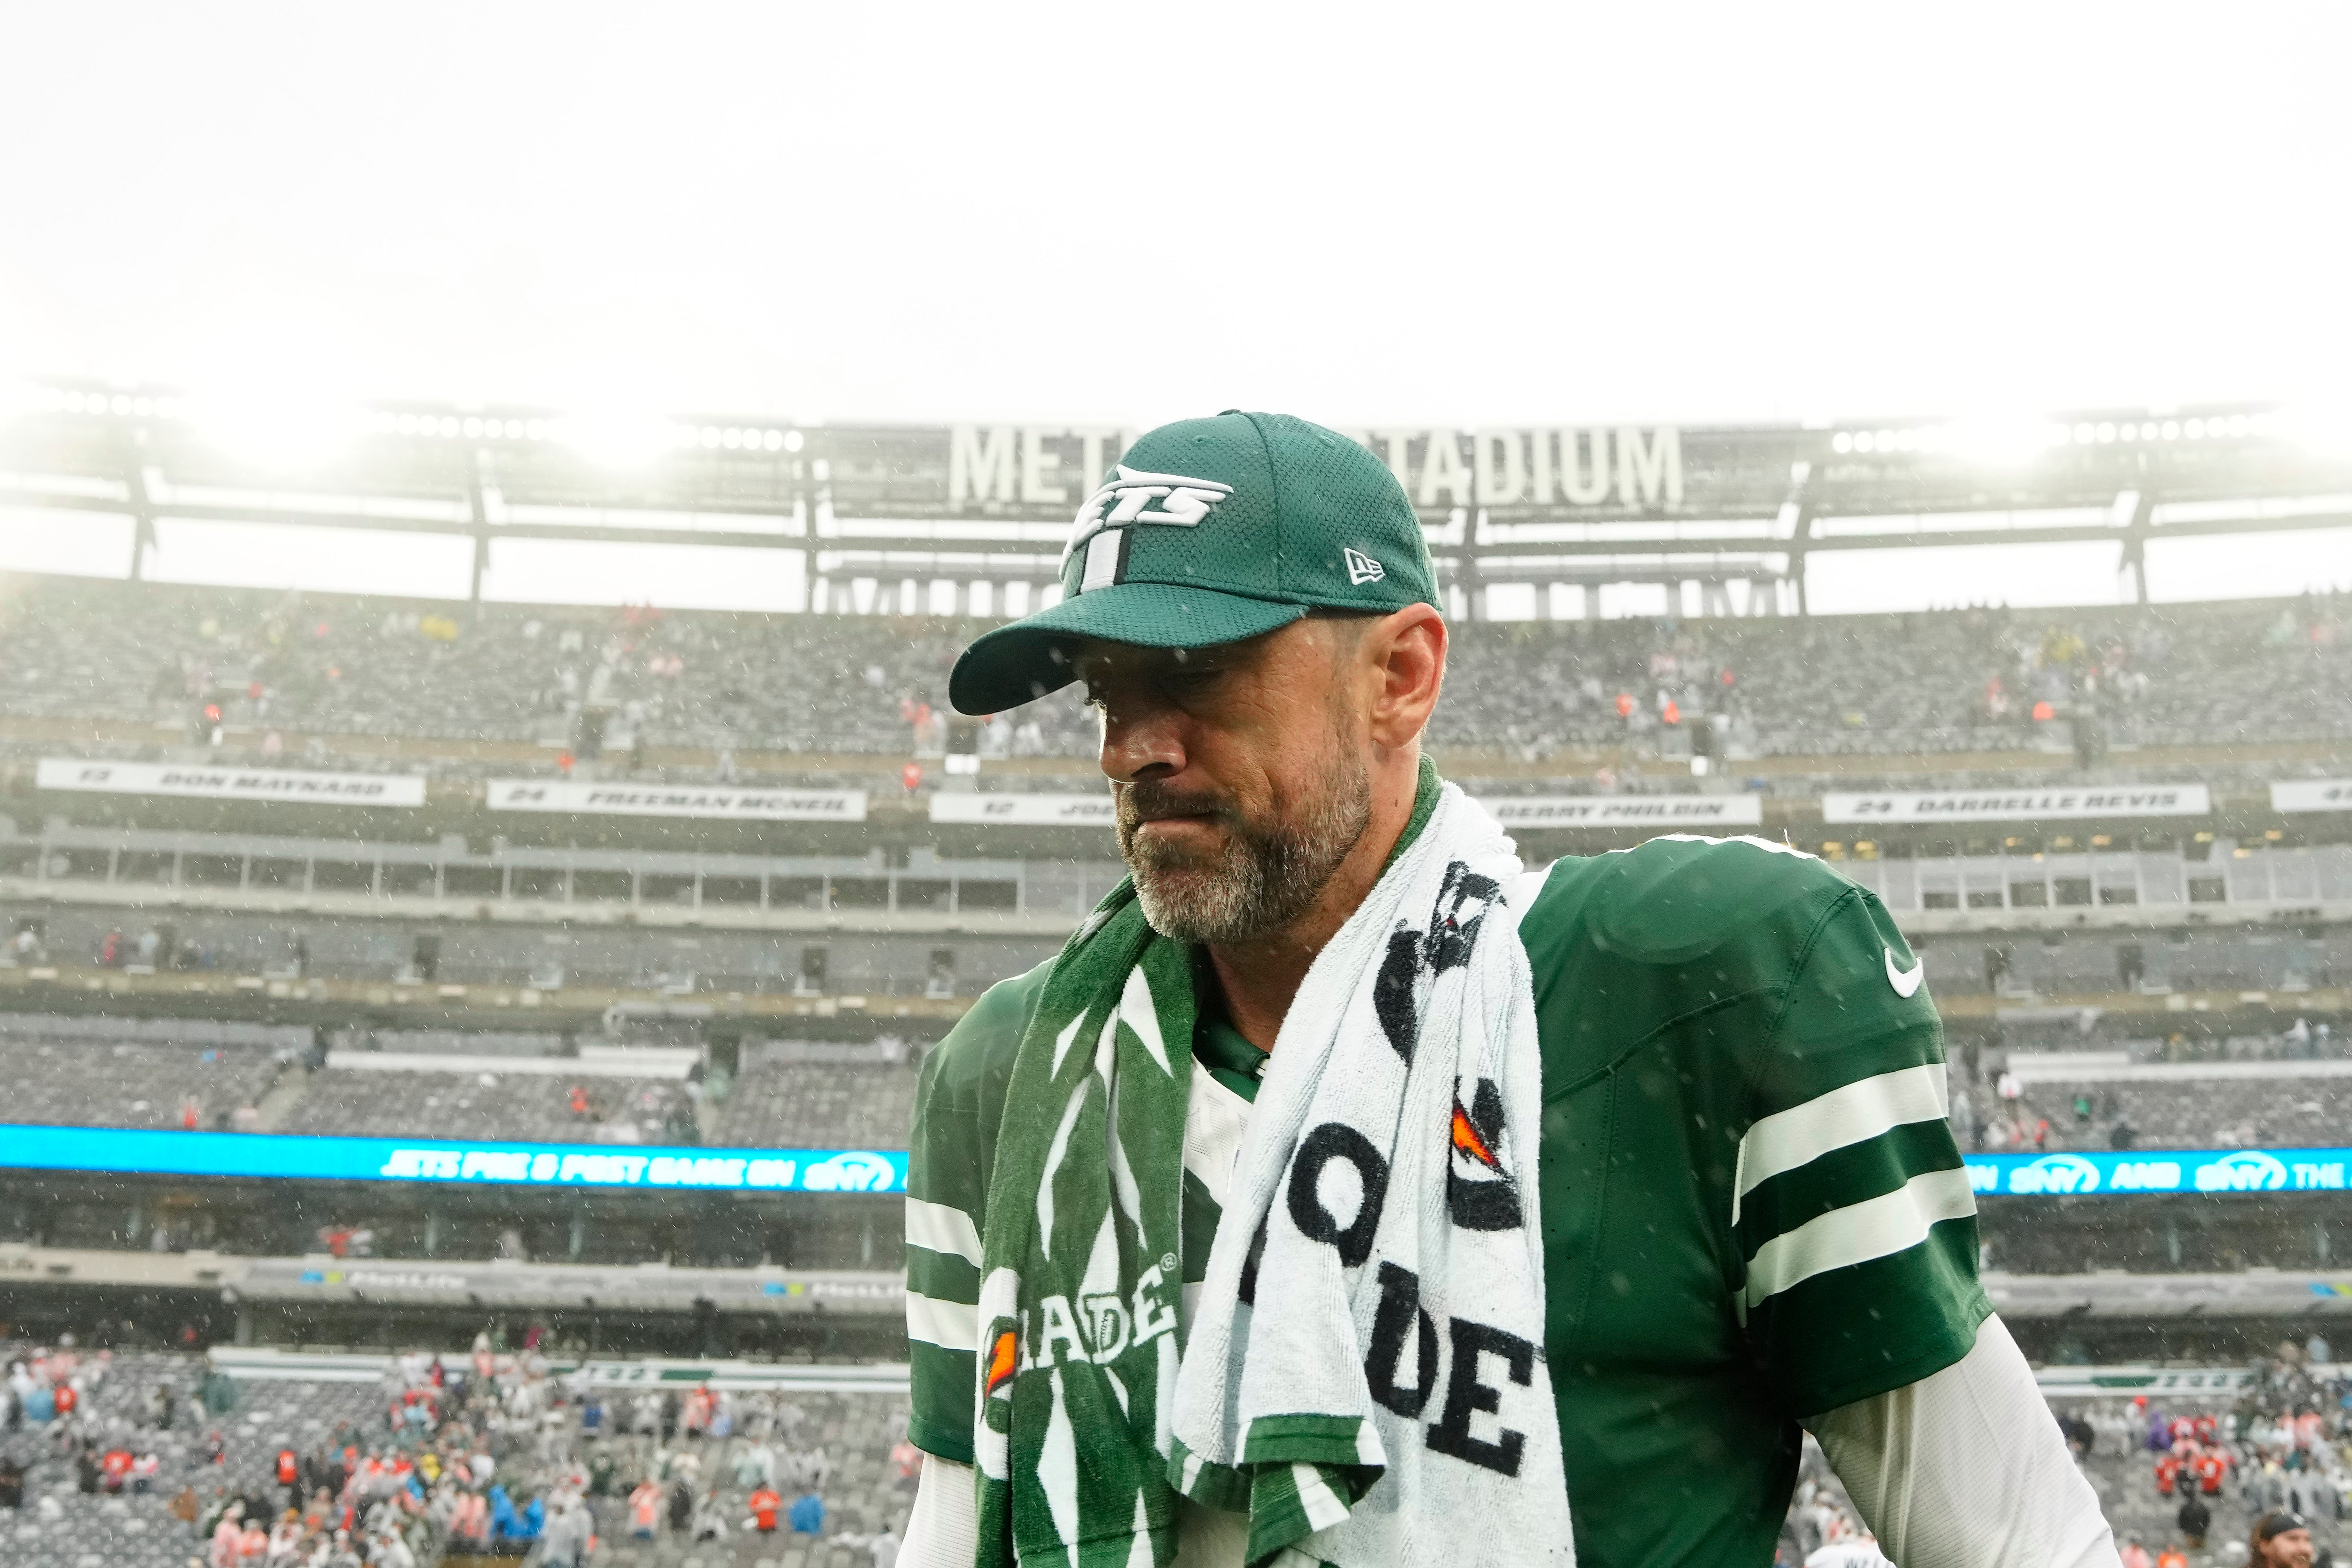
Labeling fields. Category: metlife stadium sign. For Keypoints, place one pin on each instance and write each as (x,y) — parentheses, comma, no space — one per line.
(142,1153)
(1535,473)
(2159,1170)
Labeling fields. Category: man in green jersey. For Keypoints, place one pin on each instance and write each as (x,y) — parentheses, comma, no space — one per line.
(1753,1217)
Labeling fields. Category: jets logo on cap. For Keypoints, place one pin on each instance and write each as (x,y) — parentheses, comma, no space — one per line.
(1137,496)
(1134,498)
(1363,569)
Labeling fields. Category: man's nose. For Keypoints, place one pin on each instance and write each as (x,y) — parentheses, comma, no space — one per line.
(1140,741)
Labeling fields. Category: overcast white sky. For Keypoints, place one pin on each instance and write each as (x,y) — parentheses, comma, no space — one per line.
(1443,214)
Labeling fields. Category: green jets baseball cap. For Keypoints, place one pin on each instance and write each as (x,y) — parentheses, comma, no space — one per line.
(1207,531)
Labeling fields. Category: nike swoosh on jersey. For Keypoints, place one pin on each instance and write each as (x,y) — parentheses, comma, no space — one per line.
(1905,980)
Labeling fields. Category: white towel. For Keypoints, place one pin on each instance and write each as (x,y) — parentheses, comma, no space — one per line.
(1366,1373)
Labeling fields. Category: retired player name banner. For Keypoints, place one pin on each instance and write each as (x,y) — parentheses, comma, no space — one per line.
(1024,810)
(2312,795)
(663,800)
(403,790)
(2017,805)
(1627,811)
(1511,811)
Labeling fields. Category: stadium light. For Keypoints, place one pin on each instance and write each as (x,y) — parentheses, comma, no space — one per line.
(2003,439)
(2321,430)
(282,426)
(2000,441)
(614,437)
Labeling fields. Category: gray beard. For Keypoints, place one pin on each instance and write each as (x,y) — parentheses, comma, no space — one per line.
(1272,873)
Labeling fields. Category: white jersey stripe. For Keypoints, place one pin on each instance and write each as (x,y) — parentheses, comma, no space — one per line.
(950,1325)
(935,1228)
(1216,1120)
(1845,1115)
(1875,1227)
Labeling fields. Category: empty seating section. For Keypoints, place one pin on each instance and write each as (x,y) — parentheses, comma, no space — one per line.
(448,1042)
(2251,872)
(373,948)
(482,1103)
(1951,682)
(2292,1110)
(2019,966)
(794,1105)
(520,1086)
(145,1083)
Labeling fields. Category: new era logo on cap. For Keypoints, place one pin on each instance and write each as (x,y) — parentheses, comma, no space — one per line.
(1362,568)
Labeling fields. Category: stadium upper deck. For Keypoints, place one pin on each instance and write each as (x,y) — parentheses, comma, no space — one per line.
(1675,551)
(2251,689)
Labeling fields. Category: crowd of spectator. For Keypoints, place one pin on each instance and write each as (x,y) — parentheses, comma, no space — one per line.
(2183,1485)
(625,680)
(156,1460)
(2193,1478)
(152,1460)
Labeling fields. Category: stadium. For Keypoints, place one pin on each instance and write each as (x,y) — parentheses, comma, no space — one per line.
(387,977)
(1772,692)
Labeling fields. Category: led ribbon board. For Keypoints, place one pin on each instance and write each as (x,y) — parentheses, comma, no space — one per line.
(677,1168)
(2134,1171)
(666,1167)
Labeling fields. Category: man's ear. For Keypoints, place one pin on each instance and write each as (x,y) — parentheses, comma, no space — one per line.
(1406,651)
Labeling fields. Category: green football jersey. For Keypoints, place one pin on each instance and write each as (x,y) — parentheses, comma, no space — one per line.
(1753,1209)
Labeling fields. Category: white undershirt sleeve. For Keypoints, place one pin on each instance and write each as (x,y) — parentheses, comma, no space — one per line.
(943,1530)
(1966,1469)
